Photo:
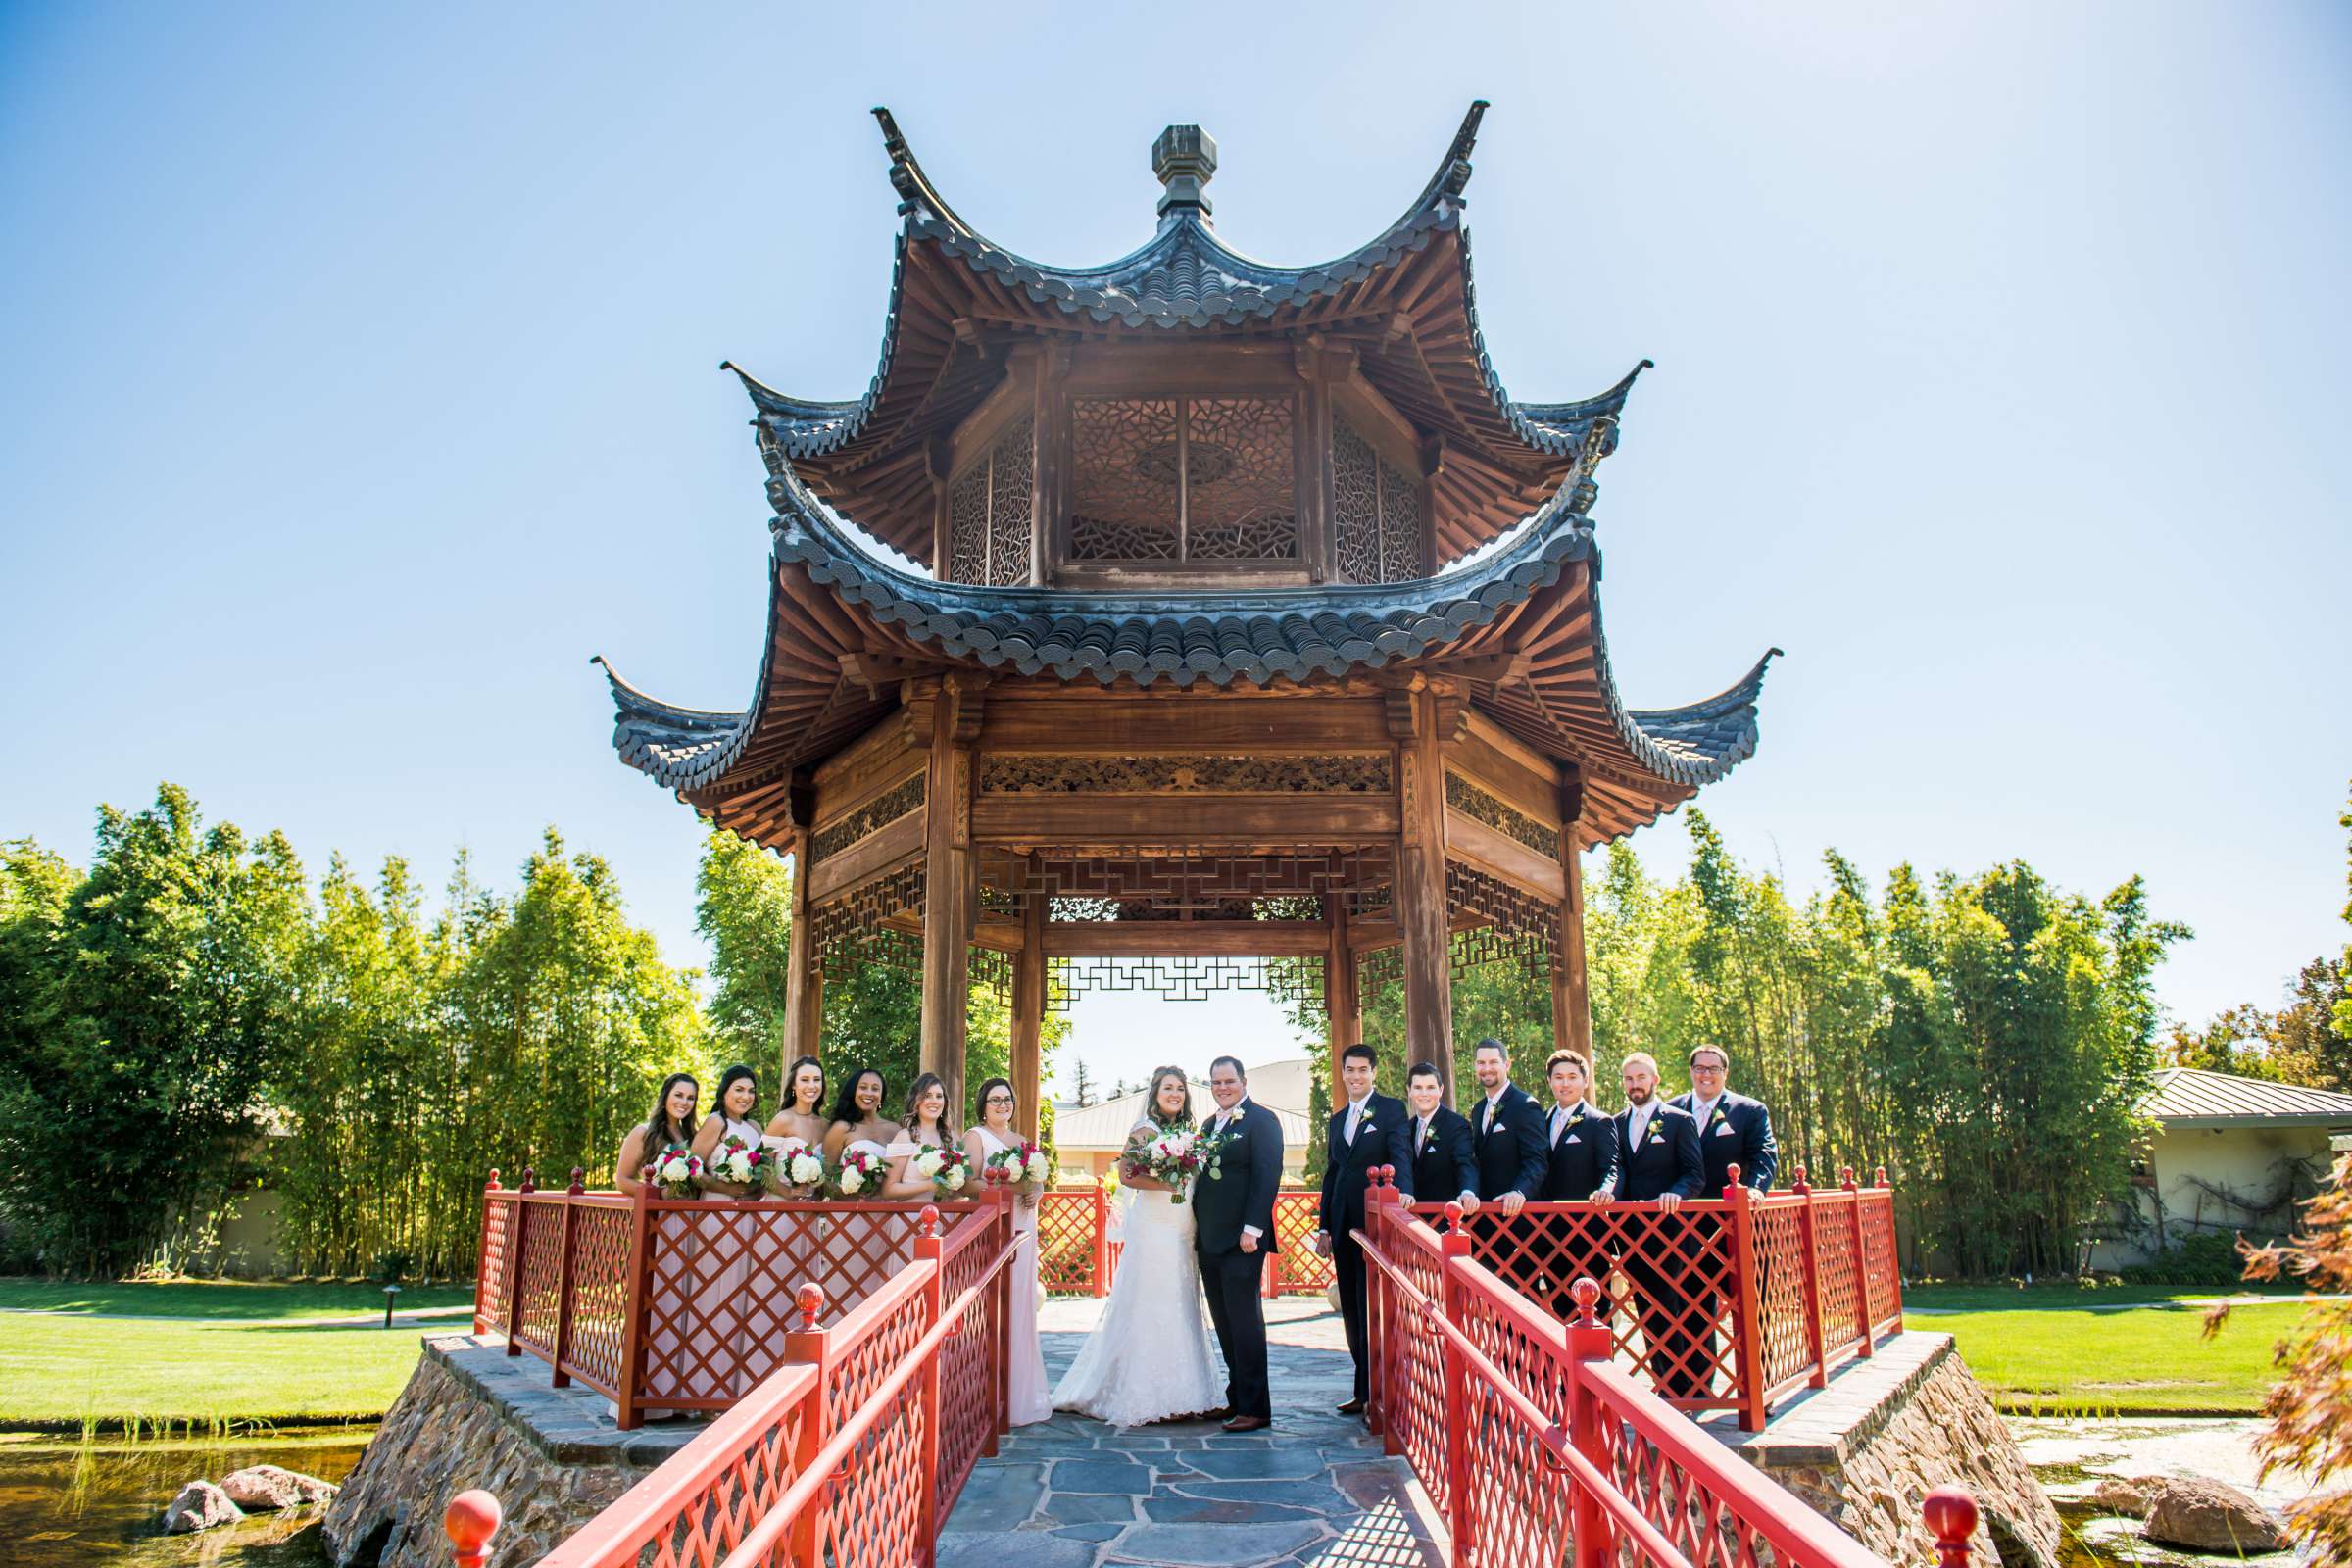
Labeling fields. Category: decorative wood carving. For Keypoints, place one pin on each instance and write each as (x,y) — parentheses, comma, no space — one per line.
(1376,509)
(991,511)
(1519,928)
(1297,981)
(1476,804)
(876,813)
(1176,775)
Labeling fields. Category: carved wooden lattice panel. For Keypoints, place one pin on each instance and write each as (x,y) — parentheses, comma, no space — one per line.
(1011,501)
(1242,501)
(1504,818)
(1519,926)
(1123,493)
(1369,774)
(1356,503)
(1215,881)
(1400,525)
(1299,981)
(968,527)
(878,813)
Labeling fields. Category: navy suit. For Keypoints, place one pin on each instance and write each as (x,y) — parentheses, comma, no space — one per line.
(1444,1162)
(1739,1132)
(1673,1324)
(1383,1137)
(1509,1140)
(1583,1160)
(1249,1174)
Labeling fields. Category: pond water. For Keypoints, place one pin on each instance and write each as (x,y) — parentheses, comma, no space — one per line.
(2071,1455)
(63,1501)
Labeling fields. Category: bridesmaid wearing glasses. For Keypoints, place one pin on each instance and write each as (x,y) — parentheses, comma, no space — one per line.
(1026,1396)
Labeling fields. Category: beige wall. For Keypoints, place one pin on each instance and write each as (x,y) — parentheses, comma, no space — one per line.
(2245,1161)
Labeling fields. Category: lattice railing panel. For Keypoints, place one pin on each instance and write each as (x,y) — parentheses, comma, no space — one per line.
(971,1364)
(1415,1410)
(1298,1270)
(873,1511)
(1676,1271)
(1065,1239)
(542,1276)
(860,1365)
(493,1271)
(1690,1512)
(1838,1271)
(1779,1230)
(598,1348)
(1520,1497)
(1882,1274)
(713,1522)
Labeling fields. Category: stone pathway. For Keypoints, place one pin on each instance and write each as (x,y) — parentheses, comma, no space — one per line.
(1315,1492)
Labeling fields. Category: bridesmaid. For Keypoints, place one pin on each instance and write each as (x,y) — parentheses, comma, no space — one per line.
(671,1126)
(927,1127)
(1027,1398)
(738,1238)
(858,1117)
(802,1113)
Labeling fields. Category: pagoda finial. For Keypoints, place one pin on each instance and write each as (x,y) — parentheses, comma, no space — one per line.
(1185,158)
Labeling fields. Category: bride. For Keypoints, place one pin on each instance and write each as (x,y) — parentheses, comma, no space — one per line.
(1149,1358)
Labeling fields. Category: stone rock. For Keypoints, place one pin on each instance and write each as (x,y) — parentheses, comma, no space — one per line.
(269,1486)
(2208,1516)
(200,1506)
(2114,1495)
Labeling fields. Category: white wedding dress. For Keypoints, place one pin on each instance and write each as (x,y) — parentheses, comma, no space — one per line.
(1150,1356)
(1026,1400)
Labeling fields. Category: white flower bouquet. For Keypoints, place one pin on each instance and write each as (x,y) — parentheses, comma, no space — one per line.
(676,1171)
(944,1168)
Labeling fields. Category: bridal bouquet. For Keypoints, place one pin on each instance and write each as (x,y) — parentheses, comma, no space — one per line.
(1170,1156)
(1013,1166)
(859,1170)
(676,1171)
(737,1162)
(792,1165)
(943,1166)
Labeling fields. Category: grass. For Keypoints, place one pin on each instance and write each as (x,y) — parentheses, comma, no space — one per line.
(209,1378)
(2153,1359)
(223,1301)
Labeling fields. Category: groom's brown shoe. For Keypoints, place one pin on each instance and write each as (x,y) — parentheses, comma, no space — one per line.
(1352,1408)
(1248,1423)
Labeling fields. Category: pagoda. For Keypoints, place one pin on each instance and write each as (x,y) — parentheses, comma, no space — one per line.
(1260,644)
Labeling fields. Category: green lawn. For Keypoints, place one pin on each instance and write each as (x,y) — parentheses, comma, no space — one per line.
(223,1300)
(2064,1359)
(67,1370)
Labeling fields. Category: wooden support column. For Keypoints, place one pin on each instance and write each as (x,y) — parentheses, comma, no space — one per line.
(1341,1004)
(1028,1004)
(951,881)
(1421,879)
(1049,473)
(1571,997)
(804,972)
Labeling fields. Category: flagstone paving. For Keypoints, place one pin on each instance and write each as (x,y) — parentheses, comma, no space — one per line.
(1313,1493)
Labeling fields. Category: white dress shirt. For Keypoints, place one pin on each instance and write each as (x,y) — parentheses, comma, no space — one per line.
(1355,1117)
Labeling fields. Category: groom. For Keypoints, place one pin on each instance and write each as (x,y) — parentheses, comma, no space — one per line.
(1233,1217)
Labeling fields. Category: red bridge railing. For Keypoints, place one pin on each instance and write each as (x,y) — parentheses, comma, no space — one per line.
(676,1305)
(1730,1304)
(1535,1448)
(852,1450)
(1078,1247)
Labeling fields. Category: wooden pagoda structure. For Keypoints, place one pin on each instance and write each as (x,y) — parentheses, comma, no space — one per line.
(1189,696)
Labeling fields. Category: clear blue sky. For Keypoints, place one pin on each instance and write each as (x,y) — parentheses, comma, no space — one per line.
(359,370)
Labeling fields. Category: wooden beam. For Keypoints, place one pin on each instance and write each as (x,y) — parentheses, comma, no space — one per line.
(1502,856)
(1189,817)
(1029,1006)
(1421,891)
(885,849)
(1571,996)
(1187,939)
(950,900)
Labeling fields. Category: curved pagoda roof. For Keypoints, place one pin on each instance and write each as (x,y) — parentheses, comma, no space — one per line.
(1522,623)
(1404,300)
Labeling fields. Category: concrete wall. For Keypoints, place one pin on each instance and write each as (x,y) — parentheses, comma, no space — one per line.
(2247,1161)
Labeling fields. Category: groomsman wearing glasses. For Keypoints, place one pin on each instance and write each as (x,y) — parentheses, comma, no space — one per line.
(1445,1159)
(1733,1130)
(1369,1130)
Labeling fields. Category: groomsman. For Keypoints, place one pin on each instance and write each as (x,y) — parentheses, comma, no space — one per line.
(1371,1129)
(1509,1133)
(1583,1160)
(1445,1157)
(1733,1129)
(1657,1158)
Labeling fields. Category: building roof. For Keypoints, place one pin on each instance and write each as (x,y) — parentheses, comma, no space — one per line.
(832,600)
(2190,1099)
(1281,1086)
(1404,300)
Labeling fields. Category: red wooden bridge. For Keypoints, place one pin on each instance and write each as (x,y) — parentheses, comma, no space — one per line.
(1514,1365)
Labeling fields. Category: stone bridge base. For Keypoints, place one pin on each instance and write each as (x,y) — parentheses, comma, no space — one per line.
(1866,1451)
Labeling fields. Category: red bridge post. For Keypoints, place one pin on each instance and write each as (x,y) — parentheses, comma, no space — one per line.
(481,1256)
(639,1302)
(1820,1376)
(1845,1174)
(563,1277)
(1455,1249)
(1747,1307)
(1589,1342)
(469,1521)
(521,1230)
(1102,1241)
(815,1345)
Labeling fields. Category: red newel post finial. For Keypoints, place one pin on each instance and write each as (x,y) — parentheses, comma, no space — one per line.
(1804,1182)
(1878,1176)
(1951,1516)
(1731,1177)
(811,1302)
(472,1519)
(494,1178)
(531,1180)
(579,1179)
(1587,1292)
(928,1224)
